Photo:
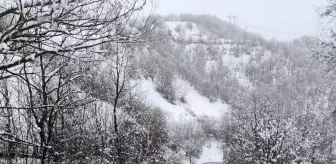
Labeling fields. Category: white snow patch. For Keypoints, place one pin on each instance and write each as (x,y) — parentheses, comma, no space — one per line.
(243,80)
(266,56)
(211,153)
(194,34)
(231,61)
(237,66)
(195,102)
(199,104)
(210,65)
(153,98)
(4,46)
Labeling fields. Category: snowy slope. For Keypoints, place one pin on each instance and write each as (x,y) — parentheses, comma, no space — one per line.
(195,104)
(153,98)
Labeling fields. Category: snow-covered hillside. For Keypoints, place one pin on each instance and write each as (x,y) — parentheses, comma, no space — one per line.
(221,64)
(214,62)
(235,54)
(194,104)
(228,58)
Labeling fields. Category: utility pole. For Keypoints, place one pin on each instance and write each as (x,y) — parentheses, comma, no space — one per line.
(232,19)
(245,34)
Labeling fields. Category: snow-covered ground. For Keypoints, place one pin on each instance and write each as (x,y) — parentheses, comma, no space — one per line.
(195,102)
(236,66)
(211,153)
(147,91)
(192,34)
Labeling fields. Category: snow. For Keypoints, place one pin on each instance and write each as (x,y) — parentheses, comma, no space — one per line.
(197,37)
(266,56)
(236,66)
(231,61)
(195,102)
(210,65)
(242,79)
(211,153)
(173,24)
(199,104)
(4,133)
(154,99)
(4,46)
(193,34)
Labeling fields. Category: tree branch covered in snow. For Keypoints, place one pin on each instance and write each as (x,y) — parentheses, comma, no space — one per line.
(31,29)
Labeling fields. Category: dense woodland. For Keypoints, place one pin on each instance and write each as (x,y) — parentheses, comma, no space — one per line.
(69,71)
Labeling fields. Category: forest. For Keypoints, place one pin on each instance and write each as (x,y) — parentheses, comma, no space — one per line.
(98,82)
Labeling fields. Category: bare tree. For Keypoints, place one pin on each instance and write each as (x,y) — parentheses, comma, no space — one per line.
(120,76)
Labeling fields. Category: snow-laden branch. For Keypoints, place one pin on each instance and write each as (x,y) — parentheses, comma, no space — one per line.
(8,137)
(41,29)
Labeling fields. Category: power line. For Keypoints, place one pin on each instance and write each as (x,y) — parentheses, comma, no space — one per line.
(234,21)
(271,30)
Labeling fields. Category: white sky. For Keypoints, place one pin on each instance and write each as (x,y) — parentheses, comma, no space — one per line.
(282,19)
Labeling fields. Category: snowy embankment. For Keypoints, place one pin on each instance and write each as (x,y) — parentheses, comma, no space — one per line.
(195,105)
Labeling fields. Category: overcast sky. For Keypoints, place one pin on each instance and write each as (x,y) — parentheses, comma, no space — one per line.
(282,19)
